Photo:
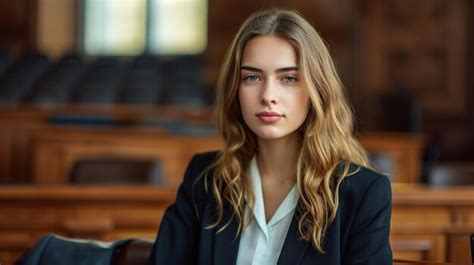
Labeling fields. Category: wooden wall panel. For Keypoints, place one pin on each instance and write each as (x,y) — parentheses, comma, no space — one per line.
(420,45)
(18,25)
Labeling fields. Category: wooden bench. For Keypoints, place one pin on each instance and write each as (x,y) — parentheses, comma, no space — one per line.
(427,224)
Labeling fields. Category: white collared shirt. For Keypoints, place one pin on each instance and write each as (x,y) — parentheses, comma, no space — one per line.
(261,242)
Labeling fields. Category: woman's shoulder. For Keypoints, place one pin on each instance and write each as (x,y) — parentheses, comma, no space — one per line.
(205,158)
(362,181)
(198,165)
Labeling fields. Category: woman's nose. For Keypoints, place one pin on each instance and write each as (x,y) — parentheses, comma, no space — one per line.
(269,93)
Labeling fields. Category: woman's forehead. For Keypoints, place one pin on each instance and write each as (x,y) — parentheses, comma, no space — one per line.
(269,53)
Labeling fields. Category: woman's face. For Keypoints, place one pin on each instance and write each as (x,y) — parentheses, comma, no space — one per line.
(272,99)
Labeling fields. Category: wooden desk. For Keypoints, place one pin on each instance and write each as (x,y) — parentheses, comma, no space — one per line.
(435,221)
(427,224)
(408,262)
(56,151)
(28,213)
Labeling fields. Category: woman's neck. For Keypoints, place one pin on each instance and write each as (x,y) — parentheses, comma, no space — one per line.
(277,159)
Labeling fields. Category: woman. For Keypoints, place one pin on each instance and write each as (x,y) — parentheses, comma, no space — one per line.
(292,185)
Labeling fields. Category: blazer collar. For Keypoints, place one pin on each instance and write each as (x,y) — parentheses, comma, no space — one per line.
(226,243)
(294,248)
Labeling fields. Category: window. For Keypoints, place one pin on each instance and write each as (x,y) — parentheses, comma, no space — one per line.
(132,27)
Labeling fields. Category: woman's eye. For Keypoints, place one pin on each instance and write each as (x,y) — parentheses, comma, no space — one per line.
(251,78)
(289,79)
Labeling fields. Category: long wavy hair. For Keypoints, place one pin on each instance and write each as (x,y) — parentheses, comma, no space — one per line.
(327,145)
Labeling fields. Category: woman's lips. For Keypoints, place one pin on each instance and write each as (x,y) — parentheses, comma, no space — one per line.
(269,117)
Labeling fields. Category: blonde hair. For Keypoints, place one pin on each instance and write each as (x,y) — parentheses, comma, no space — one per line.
(328,144)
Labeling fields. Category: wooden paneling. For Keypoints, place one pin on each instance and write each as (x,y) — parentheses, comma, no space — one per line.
(418,46)
(18,25)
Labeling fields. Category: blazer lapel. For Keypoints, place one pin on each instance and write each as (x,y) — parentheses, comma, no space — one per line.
(226,244)
(294,248)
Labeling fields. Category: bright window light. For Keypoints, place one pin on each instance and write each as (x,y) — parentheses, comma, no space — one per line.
(178,26)
(131,27)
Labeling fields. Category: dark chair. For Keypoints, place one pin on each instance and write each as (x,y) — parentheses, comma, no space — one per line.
(6,59)
(135,252)
(142,82)
(101,82)
(58,84)
(53,249)
(452,174)
(184,83)
(113,171)
(19,80)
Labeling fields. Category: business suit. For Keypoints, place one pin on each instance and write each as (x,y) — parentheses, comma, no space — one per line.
(358,235)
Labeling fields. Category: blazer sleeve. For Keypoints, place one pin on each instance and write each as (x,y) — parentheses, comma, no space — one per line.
(368,242)
(177,240)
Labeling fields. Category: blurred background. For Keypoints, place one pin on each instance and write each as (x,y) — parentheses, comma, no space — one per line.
(98,94)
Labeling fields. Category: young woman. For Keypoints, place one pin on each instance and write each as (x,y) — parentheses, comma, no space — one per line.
(291,185)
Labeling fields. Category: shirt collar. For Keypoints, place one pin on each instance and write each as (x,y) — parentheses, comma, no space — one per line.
(286,207)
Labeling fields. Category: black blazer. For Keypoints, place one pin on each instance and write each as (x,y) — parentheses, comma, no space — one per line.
(358,235)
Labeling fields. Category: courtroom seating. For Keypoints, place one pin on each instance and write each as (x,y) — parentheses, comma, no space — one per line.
(452,174)
(142,82)
(20,78)
(6,58)
(185,84)
(62,78)
(115,171)
(104,80)
(101,82)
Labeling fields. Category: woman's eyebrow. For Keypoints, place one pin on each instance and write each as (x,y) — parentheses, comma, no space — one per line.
(254,69)
(287,69)
(251,69)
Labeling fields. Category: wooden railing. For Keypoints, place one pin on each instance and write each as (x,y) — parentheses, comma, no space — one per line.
(34,150)
(427,224)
